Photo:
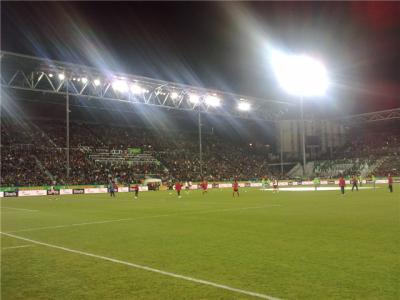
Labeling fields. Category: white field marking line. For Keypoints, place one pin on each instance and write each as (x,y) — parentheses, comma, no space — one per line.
(15,247)
(146,268)
(18,208)
(140,218)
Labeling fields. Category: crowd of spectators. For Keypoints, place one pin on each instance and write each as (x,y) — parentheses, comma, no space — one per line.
(362,152)
(34,154)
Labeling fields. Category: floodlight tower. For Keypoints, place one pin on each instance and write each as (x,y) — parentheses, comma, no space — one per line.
(302,76)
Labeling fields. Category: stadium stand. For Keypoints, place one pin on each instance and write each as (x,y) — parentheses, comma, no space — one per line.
(34,154)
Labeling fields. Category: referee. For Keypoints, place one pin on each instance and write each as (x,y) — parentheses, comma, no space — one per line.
(355,183)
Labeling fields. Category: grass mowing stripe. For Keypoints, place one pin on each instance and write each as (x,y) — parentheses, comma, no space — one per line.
(141,218)
(150,269)
(24,209)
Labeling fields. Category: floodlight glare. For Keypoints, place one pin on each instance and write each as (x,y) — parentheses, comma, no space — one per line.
(84,80)
(245,106)
(136,89)
(96,82)
(300,75)
(61,76)
(212,100)
(120,86)
(174,95)
(51,75)
(193,98)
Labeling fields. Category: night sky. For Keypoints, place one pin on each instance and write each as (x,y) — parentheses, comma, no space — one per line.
(221,45)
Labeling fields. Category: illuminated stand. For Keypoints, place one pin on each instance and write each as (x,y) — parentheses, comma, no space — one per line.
(43,76)
(33,74)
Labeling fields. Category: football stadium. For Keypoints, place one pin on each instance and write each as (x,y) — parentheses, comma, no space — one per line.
(200,150)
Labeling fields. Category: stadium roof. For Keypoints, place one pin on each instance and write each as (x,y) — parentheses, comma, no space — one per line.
(28,73)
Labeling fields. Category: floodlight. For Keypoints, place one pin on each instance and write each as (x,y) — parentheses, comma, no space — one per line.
(300,75)
(243,105)
(174,95)
(51,75)
(136,89)
(120,86)
(61,76)
(212,100)
(84,80)
(193,98)
(96,82)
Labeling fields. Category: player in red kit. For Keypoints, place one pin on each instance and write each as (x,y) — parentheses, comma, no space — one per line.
(342,184)
(136,190)
(204,186)
(235,186)
(275,185)
(178,188)
(390,183)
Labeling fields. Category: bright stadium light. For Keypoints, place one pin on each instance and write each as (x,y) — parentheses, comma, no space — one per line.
(50,75)
(136,89)
(120,86)
(212,100)
(193,98)
(300,75)
(174,95)
(84,80)
(61,76)
(96,82)
(243,105)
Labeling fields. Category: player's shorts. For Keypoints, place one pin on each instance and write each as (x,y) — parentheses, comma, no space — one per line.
(275,186)
(235,190)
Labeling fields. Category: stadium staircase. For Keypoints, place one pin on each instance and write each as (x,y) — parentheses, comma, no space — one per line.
(296,171)
(42,168)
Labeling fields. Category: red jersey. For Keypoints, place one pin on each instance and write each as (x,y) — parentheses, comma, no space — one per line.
(390,179)
(178,186)
(204,185)
(136,187)
(235,186)
(342,182)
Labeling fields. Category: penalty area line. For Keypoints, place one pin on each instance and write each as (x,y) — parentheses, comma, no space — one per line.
(146,268)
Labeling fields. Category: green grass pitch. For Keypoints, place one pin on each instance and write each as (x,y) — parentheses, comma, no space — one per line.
(291,245)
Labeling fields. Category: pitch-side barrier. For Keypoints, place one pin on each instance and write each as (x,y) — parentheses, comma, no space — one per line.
(78,191)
